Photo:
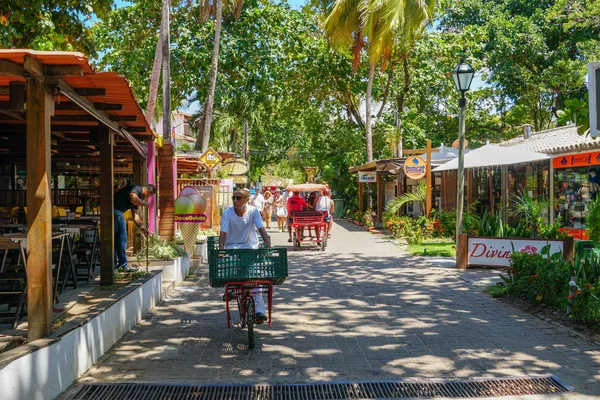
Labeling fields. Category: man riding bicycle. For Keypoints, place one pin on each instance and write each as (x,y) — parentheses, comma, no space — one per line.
(238,231)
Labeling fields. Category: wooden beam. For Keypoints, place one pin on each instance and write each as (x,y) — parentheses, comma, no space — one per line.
(16,115)
(107,235)
(33,66)
(360,195)
(69,106)
(39,212)
(429,150)
(9,68)
(16,93)
(90,91)
(128,118)
(370,166)
(87,105)
(379,196)
(137,179)
(418,151)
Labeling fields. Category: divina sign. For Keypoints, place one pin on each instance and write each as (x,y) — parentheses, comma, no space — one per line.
(496,252)
(414,167)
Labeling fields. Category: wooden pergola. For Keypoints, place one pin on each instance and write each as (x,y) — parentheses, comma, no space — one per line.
(393,167)
(54,107)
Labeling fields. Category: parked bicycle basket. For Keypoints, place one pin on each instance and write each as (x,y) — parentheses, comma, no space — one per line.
(247,265)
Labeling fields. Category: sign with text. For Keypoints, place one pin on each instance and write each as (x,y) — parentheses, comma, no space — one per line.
(496,252)
(577,160)
(367,177)
(414,167)
(210,158)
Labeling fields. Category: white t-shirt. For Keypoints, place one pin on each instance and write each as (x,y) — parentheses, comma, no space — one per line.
(259,201)
(323,204)
(241,231)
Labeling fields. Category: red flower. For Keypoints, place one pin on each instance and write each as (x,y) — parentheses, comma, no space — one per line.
(529,250)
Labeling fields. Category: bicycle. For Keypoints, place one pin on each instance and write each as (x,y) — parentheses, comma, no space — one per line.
(243,271)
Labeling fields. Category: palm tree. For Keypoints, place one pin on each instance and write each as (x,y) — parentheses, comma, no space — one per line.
(208,8)
(375,25)
(419,194)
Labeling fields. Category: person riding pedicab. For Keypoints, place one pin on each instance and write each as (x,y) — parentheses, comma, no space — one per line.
(239,224)
(294,204)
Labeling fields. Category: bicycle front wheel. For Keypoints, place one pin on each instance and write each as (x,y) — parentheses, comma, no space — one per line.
(249,305)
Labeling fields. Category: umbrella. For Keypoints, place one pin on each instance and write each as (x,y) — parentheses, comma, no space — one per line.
(306,187)
(491,155)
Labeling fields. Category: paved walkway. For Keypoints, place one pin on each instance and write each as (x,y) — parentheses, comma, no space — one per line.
(362,310)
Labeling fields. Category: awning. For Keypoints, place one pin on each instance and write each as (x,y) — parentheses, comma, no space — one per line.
(492,155)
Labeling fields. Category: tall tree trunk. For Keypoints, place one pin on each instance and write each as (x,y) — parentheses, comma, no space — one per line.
(166,68)
(400,106)
(246,149)
(204,136)
(155,76)
(368,117)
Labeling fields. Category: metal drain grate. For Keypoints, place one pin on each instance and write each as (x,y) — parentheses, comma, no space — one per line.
(327,391)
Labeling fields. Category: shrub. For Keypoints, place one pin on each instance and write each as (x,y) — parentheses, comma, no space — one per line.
(541,278)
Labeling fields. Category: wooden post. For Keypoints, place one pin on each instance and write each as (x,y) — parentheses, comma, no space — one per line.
(568,248)
(360,196)
(462,251)
(428,180)
(39,210)
(166,195)
(504,197)
(379,197)
(107,222)
(551,192)
(137,179)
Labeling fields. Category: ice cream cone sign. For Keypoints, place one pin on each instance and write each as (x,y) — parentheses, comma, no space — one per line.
(189,213)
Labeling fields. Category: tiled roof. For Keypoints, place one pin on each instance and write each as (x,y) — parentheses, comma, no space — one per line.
(554,141)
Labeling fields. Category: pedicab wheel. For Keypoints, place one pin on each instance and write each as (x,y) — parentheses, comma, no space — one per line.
(295,240)
(250,322)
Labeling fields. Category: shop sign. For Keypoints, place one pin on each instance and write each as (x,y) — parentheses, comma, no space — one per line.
(497,251)
(414,167)
(240,180)
(210,158)
(577,160)
(367,177)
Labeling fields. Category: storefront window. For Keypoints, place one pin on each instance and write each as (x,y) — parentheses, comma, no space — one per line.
(575,188)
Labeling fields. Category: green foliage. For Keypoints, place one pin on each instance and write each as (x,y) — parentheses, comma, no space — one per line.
(530,211)
(541,278)
(50,25)
(587,266)
(419,194)
(593,221)
(159,249)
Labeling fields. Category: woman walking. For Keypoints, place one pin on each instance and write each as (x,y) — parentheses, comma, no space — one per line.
(280,211)
(268,208)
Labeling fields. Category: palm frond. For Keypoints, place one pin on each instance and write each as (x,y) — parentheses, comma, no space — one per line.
(419,194)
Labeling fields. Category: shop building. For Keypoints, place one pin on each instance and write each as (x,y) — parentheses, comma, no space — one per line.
(572,178)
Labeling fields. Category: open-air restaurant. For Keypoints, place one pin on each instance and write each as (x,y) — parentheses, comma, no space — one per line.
(69,137)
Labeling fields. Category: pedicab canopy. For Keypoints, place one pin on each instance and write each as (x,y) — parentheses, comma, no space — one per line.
(491,155)
(307,187)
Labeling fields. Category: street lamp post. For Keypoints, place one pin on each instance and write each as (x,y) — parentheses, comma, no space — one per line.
(463,75)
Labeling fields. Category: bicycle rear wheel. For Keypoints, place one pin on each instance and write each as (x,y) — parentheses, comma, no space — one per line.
(249,305)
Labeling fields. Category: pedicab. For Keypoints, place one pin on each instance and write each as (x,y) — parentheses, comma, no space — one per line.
(308,219)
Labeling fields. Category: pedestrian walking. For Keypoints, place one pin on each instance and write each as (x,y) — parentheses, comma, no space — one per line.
(268,208)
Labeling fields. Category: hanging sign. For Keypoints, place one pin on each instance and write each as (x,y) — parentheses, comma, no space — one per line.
(210,158)
(367,177)
(577,160)
(414,167)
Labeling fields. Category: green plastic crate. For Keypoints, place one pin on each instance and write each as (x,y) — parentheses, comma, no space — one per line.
(212,244)
(247,265)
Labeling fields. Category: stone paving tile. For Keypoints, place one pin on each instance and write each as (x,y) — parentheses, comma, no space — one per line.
(361,310)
